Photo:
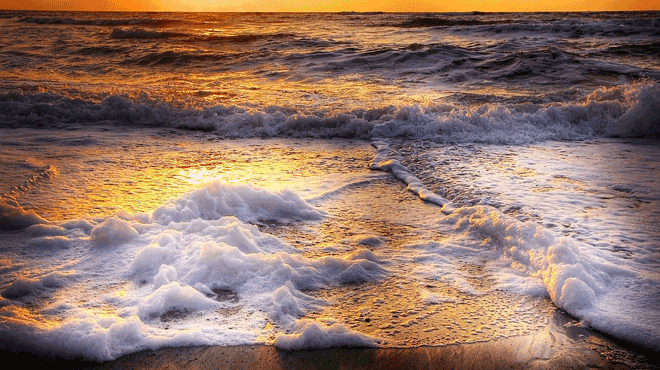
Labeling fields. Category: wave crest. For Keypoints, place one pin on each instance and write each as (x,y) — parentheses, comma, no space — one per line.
(154,22)
(628,110)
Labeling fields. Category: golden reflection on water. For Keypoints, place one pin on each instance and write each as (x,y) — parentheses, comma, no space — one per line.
(98,182)
(399,309)
(403,310)
(403,313)
(24,316)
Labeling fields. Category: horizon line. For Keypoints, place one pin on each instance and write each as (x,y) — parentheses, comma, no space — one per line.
(330,12)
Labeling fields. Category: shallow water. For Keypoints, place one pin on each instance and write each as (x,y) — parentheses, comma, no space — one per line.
(379,263)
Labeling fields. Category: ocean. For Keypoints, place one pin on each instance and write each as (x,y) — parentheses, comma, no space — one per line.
(327,180)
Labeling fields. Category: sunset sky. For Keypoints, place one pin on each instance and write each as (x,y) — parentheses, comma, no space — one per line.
(332,5)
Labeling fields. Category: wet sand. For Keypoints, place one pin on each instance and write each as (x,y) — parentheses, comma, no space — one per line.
(530,352)
(560,345)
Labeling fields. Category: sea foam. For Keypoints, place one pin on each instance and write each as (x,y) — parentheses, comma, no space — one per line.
(182,262)
(627,110)
(528,258)
(576,280)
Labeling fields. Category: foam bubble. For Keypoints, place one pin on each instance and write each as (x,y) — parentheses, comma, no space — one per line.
(24,286)
(245,202)
(173,296)
(113,231)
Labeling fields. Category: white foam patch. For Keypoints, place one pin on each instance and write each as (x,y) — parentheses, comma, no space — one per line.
(172,296)
(310,334)
(147,282)
(429,297)
(386,161)
(246,202)
(631,110)
(112,232)
(93,337)
(577,280)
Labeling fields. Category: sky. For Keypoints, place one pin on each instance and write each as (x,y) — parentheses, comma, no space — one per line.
(333,5)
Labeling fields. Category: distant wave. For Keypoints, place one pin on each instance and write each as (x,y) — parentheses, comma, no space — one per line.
(154,22)
(146,34)
(629,110)
(174,58)
(245,38)
(423,22)
(567,24)
(574,28)
(455,64)
(138,33)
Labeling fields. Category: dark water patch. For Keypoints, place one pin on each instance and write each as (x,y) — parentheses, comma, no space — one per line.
(623,188)
(8,15)
(101,50)
(430,22)
(175,59)
(416,58)
(108,22)
(142,34)
(647,49)
(85,141)
(19,59)
(248,38)
(521,65)
(270,42)
(245,38)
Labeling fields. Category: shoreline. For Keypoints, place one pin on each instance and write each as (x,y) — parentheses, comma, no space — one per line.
(497,354)
(545,349)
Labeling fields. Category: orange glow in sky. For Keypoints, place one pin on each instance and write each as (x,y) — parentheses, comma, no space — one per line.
(333,5)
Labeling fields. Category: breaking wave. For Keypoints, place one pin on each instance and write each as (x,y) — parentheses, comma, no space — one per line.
(626,111)
(154,22)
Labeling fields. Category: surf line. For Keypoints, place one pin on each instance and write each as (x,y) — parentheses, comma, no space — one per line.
(386,160)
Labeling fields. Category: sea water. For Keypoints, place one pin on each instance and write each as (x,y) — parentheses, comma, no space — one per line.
(317,180)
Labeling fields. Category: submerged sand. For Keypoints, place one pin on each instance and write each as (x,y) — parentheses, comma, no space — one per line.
(560,345)
(539,351)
